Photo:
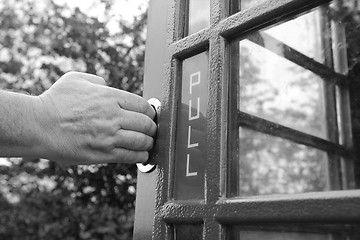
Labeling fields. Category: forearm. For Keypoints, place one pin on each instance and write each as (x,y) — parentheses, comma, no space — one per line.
(78,120)
(20,134)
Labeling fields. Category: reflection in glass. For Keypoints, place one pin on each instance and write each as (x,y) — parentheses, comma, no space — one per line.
(279,90)
(296,232)
(285,74)
(277,87)
(188,231)
(304,34)
(271,165)
(199,15)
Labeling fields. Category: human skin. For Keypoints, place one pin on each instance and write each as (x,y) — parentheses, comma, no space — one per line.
(78,120)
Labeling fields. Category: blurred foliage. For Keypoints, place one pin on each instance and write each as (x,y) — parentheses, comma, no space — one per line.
(272,165)
(40,41)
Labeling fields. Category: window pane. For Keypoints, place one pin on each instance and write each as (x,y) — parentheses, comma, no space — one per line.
(199,15)
(278,90)
(296,232)
(188,231)
(250,3)
(191,129)
(285,74)
(304,34)
(271,165)
(236,5)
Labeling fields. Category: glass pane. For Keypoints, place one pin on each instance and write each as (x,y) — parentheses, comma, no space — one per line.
(249,3)
(304,34)
(236,5)
(276,89)
(283,75)
(271,165)
(190,150)
(199,15)
(188,231)
(296,232)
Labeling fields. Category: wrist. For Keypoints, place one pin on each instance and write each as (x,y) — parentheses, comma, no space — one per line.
(37,132)
(19,129)
(43,127)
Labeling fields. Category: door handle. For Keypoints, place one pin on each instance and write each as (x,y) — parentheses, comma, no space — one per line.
(150,164)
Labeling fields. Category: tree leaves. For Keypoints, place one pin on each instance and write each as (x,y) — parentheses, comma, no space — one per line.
(40,41)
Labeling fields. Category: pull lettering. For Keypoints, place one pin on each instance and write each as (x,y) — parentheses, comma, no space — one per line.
(194,80)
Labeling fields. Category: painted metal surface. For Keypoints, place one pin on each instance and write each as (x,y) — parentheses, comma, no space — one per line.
(154,75)
(158,213)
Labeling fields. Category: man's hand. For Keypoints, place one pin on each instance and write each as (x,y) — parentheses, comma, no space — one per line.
(84,122)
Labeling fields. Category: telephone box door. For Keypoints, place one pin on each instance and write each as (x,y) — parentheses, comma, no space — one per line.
(255,131)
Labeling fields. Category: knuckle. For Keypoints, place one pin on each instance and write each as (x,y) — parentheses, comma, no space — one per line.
(102,80)
(104,145)
(69,74)
(124,155)
(109,145)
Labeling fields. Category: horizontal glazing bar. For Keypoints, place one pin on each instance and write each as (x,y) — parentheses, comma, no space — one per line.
(268,12)
(185,211)
(274,129)
(331,206)
(241,23)
(298,58)
(195,43)
(334,206)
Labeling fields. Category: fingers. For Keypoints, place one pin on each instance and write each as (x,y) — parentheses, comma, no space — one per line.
(138,122)
(132,102)
(126,100)
(122,155)
(128,156)
(133,140)
(126,147)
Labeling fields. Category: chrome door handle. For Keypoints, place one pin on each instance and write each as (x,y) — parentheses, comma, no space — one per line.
(150,164)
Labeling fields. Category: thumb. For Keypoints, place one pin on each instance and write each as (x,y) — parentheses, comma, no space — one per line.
(90,77)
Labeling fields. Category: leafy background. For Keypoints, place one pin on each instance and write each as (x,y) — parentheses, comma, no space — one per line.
(39,41)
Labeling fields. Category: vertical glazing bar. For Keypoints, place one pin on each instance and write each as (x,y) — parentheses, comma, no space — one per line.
(343,101)
(182,19)
(233,132)
(333,178)
(216,137)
